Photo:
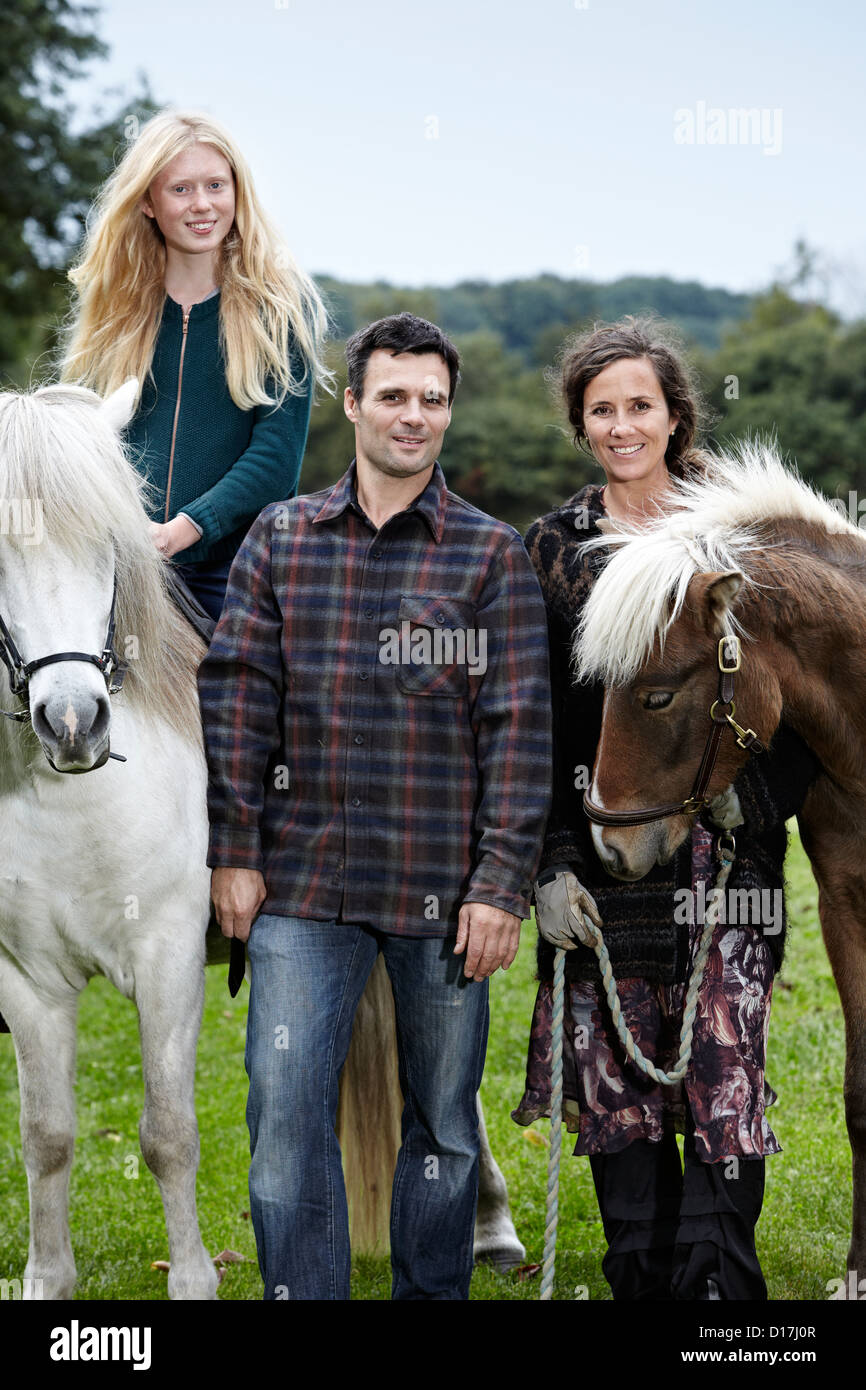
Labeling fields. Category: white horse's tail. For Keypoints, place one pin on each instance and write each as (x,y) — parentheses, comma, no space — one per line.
(368,1118)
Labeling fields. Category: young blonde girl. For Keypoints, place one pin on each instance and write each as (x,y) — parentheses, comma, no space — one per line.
(184,284)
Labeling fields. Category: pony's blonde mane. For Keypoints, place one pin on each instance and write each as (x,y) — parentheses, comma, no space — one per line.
(58,452)
(719,522)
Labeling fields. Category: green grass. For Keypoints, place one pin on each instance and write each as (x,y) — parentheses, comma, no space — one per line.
(116,1215)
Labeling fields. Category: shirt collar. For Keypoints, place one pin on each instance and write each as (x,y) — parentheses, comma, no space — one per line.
(431,503)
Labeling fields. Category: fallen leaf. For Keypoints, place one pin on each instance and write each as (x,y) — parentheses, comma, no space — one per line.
(527,1271)
(161,1264)
(532,1136)
(229,1257)
(109,1134)
(245,1216)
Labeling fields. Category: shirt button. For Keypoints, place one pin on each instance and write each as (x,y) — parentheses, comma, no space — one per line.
(377,554)
(356,800)
(440,617)
(359,738)
(368,612)
(363,676)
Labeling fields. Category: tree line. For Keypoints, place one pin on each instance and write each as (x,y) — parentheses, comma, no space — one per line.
(779,363)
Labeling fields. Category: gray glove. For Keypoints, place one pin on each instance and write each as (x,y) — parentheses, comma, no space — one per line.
(564,910)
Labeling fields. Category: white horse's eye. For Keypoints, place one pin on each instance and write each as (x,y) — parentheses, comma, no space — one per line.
(658,699)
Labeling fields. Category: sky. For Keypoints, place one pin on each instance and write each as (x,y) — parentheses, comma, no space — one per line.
(426,143)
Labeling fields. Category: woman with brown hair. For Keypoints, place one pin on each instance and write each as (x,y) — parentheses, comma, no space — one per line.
(672,1232)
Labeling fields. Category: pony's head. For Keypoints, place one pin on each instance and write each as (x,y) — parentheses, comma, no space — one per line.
(75,554)
(650,632)
(657,720)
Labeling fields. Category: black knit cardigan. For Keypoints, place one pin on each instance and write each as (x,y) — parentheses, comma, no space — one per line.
(640,929)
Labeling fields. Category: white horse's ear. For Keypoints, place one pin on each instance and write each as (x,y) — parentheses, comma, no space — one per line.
(117,409)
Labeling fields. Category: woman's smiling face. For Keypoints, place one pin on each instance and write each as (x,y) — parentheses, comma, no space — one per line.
(193,200)
(627,421)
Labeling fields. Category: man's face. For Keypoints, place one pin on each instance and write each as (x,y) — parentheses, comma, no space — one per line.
(401,418)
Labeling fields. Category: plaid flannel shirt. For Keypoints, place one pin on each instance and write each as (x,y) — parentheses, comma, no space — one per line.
(376,710)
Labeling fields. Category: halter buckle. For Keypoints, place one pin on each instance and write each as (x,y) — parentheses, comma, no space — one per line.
(729,651)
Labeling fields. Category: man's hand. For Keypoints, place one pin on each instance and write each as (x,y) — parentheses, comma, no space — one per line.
(237,895)
(490,938)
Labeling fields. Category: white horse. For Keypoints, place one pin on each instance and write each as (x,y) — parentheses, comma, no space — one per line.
(106,874)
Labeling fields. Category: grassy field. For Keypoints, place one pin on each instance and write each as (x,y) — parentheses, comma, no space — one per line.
(116,1215)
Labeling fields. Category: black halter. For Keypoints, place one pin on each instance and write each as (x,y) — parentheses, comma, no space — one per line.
(112,668)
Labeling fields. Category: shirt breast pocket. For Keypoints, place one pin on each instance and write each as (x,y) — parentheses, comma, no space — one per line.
(437,645)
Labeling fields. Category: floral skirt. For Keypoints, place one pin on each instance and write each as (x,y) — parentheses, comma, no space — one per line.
(609,1102)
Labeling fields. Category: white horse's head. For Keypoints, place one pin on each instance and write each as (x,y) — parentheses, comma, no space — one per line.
(79,575)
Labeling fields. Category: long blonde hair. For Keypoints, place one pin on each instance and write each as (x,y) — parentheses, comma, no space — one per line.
(266,299)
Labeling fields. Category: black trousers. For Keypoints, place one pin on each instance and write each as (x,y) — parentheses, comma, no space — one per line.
(679,1233)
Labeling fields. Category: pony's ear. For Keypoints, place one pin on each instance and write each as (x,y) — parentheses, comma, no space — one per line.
(117,409)
(713,595)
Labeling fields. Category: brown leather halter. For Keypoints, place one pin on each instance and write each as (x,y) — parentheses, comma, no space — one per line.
(722,712)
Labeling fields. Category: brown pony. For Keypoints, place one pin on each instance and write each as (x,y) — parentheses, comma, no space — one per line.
(749,550)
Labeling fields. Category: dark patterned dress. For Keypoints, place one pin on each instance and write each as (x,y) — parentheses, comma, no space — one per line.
(609,1102)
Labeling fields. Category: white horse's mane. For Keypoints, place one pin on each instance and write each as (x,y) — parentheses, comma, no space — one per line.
(58,452)
(720,520)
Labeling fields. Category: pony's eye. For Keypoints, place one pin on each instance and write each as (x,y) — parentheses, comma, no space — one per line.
(658,699)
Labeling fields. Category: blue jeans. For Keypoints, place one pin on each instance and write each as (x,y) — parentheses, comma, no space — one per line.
(307,980)
(208,583)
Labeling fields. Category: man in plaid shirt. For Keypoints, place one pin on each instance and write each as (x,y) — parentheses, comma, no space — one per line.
(376,710)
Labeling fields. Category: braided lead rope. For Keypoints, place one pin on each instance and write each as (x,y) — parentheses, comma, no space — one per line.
(725,854)
(553,1162)
(725,848)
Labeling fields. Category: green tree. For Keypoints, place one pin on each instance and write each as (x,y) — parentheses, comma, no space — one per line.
(795,371)
(51,168)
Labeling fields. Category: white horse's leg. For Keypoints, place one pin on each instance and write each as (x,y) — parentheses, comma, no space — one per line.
(495,1237)
(169,993)
(43,1032)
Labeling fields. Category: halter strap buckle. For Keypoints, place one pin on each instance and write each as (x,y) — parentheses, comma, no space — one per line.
(729,654)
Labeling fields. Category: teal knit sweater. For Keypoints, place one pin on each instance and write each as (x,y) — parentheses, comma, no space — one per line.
(226,464)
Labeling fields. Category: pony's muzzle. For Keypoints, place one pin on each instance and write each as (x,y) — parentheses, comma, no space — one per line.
(73,734)
(628,853)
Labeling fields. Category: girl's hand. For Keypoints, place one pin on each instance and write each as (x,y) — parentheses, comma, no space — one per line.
(173,536)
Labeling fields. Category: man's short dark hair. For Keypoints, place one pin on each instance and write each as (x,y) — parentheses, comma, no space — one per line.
(399,333)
